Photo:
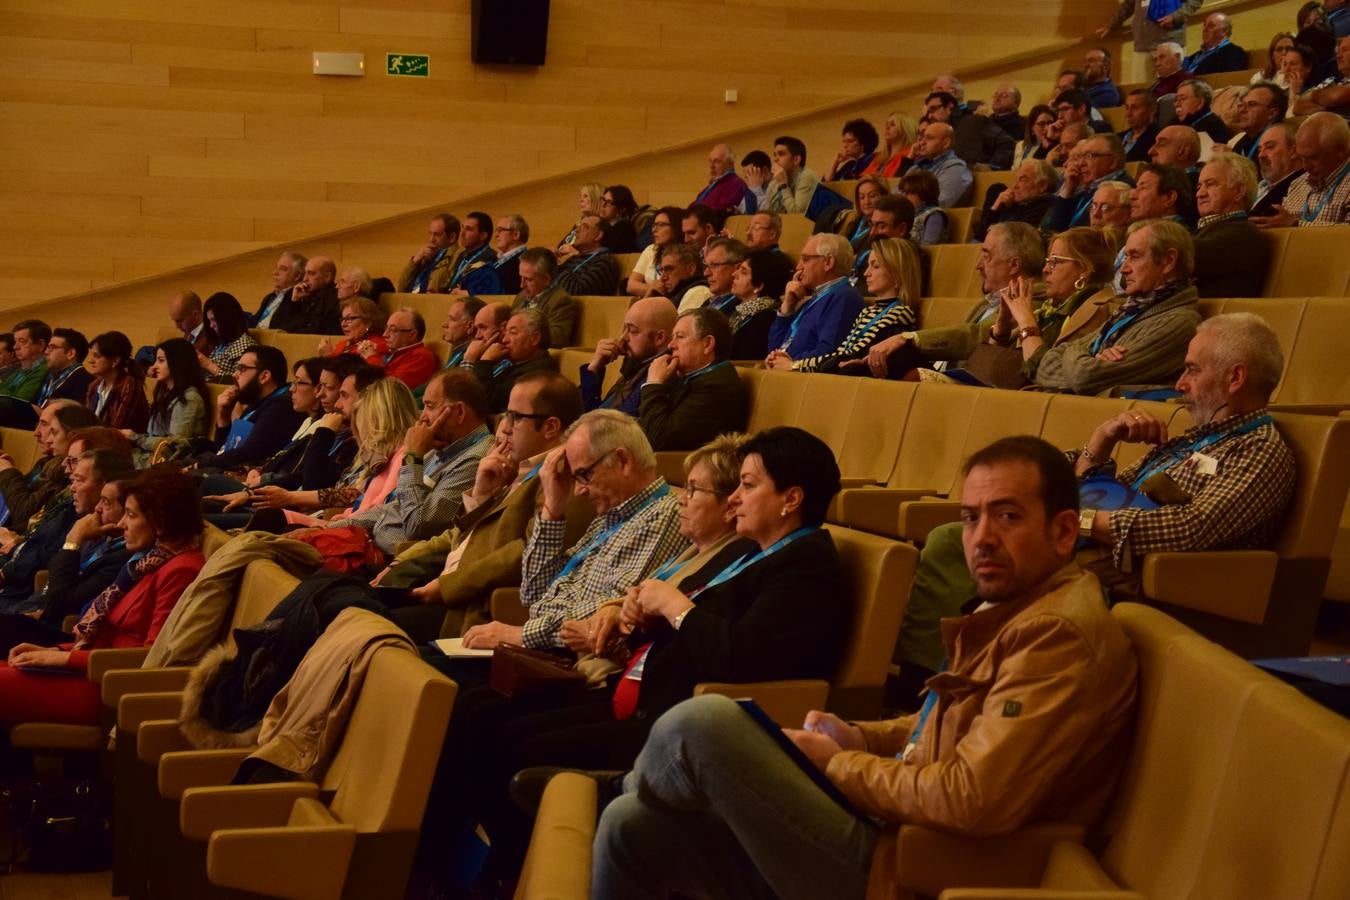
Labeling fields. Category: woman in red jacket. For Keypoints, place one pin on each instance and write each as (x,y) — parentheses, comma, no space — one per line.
(162,524)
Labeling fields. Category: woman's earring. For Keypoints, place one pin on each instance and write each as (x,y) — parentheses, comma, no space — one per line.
(1080,282)
(782,513)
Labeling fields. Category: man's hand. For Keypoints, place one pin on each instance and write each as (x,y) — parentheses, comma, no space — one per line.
(608,631)
(1131,426)
(755,177)
(495,470)
(879,355)
(333,421)
(662,369)
(231,501)
(555,485)
(421,437)
(1100,33)
(425,253)
(778,174)
(819,748)
(1003,199)
(474,351)
(89,527)
(427,593)
(1112,354)
(1281,218)
(576,635)
(492,635)
(606,351)
(848,737)
(375,582)
(793,295)
(778,359)
(228,397)
(495,352)
(301,291)
(253,478)
(566,252)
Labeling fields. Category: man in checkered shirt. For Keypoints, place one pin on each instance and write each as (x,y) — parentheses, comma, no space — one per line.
(607,459)
(1321,195)
(1224,484)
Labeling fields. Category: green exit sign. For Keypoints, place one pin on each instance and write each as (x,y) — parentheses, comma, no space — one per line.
(407,65)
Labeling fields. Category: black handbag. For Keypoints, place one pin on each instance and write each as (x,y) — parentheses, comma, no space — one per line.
(57,825)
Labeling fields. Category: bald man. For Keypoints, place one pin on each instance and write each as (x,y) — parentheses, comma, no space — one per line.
(934,152)
(185,311)
(1321,195)
(312,307)
(1217,51)
(725,191)
(646,334)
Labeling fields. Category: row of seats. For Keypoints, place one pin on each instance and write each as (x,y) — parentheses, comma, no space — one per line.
(1201,811)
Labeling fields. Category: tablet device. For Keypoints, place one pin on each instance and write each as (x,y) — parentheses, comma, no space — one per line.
(775,731)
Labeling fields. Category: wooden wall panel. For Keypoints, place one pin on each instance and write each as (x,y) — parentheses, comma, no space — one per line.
(145,136)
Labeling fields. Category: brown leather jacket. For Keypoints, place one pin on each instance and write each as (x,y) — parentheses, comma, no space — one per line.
(1030,724)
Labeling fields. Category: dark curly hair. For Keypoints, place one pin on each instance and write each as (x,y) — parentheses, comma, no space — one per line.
(168,498)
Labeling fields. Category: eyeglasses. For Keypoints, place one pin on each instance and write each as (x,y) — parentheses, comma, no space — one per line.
(296,382)
(1053,262)
(1107,207)
(606,201)
(584,474)
(353,318)
(68,463)
(1099,154)
(806,256)
(512,417)
(667,270)
(717,265)
(500,228)
(397,330)
(691,489)
(240,367)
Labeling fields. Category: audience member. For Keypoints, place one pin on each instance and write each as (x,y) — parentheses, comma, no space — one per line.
(892,217)
(1321,195)
(1097,84)
(178,406)
(764,231)
(647,325)
(1141,126)
(1231,256)
(1036,141)
(933,153)
(1177,146)
(1162,192)
(1297,68)
(720,258)
(1337,17)
(588,204)
(681,277)
(898,134)
(1006,102)
(185,311)
(699,225)
(408,359)
(540,291)
(353,282)
(26,494)
(819,303)
(522,349)
(1072,106)
(451,576)
(1262,106)
(1217,51)
(1280,44)
(791,185)
(966,772)
(607,459)
(9,363)
(1167,66)
(665,231)
(429,269)
(1194,111)
(893,277)
(162,525)
(977,141)
(286,274)
(1333,92)
(1110,206)
(67,378)
(585,266)
(1103,160)
(1279,165)
(362,325)
(756,284)
(756,167)
(510,235)
(312,307)
(254,417)
(1069,137)
(618,208)
(1144,341)
(858,147)
(725,192)
(231,340)
(457,330)
(475,249)
(693,394)
(930,223)
(1028,199)
(116,390)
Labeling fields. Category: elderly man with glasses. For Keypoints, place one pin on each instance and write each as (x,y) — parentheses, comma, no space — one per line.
(1103,160)
(409,360)
(819,305)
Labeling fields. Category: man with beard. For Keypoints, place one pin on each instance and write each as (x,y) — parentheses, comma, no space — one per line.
(647,326)
(255,418)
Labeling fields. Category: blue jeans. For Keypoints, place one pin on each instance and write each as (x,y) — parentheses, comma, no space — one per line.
(714,808)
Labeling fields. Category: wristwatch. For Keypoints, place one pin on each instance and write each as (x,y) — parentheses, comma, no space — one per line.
(70,545)
(679,620)
(412,459)
(1085,520)
(1029,331)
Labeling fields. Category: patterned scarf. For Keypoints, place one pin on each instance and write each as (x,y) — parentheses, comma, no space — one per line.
(86,630)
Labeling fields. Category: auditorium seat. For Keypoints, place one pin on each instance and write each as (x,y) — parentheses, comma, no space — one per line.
(1317,367)
(940,311)
(960,223)
(558,864)
(21,446)
(881,572)
(1308,262)
(295,346)
(951,269)
(1237,786)
(1114,116)
(626,263)
(353,834)
(598,318)
(983,180)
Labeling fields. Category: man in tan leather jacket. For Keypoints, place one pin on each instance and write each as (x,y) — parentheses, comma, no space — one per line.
(1027,724)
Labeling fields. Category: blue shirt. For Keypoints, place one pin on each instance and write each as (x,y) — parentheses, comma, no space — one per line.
(820,324)
(953,175)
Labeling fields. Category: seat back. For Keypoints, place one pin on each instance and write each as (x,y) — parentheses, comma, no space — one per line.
(1308,262)
(951,270)
(1070,420)
(22,447)
(960,222)
(264,585)
(598,318)
(1321,447)
(626,263)
(881,571)
(1316,366)
(936,312)
(382,772)
(295,346)
(777,398)
(935,437)
(876,426)
(433,307)
(827,409)
(983,180)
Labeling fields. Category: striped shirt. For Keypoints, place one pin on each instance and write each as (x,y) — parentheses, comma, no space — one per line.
(868,328)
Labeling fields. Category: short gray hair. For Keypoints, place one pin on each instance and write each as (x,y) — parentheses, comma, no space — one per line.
(1202,89)
(1022,242)
(363,283)
(1244,338)
(735,251)
(608,430)
(521,226)
(837,247)
(1164,235)
(1240,173)
(1044,172)
(1123,190)
(298,261)
(1172,47)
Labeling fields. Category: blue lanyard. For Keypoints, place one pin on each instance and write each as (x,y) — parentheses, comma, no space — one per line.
(253,411)
(877,318)
(1176,454)
(1202,54)
(672,565)
(580,555)
(466,261)
(1326,195)
(861,231)
(581,265)
(106,548)
(424,277)
(338,443)
(929,703)
(711,367)
(456,357)
(533,472)
(712,184)
(724,304)
(751,558)
(1107,333)
(53,385)
(801,313)
(501,367)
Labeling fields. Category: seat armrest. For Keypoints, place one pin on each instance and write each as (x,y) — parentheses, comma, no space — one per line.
(103,661)
(856,481)
(786,702)
(307,857)
(559,860)
(506,608)
(207,809)
(135,709)
(181,770)
(119,682)
(156,737)
(875,509)
(918,518)
(1234,584)
(931,861)
(1036,894)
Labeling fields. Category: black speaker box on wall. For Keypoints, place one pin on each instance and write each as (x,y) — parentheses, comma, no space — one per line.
(514,32)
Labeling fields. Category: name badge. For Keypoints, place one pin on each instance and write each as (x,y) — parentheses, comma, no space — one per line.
(1204,465)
